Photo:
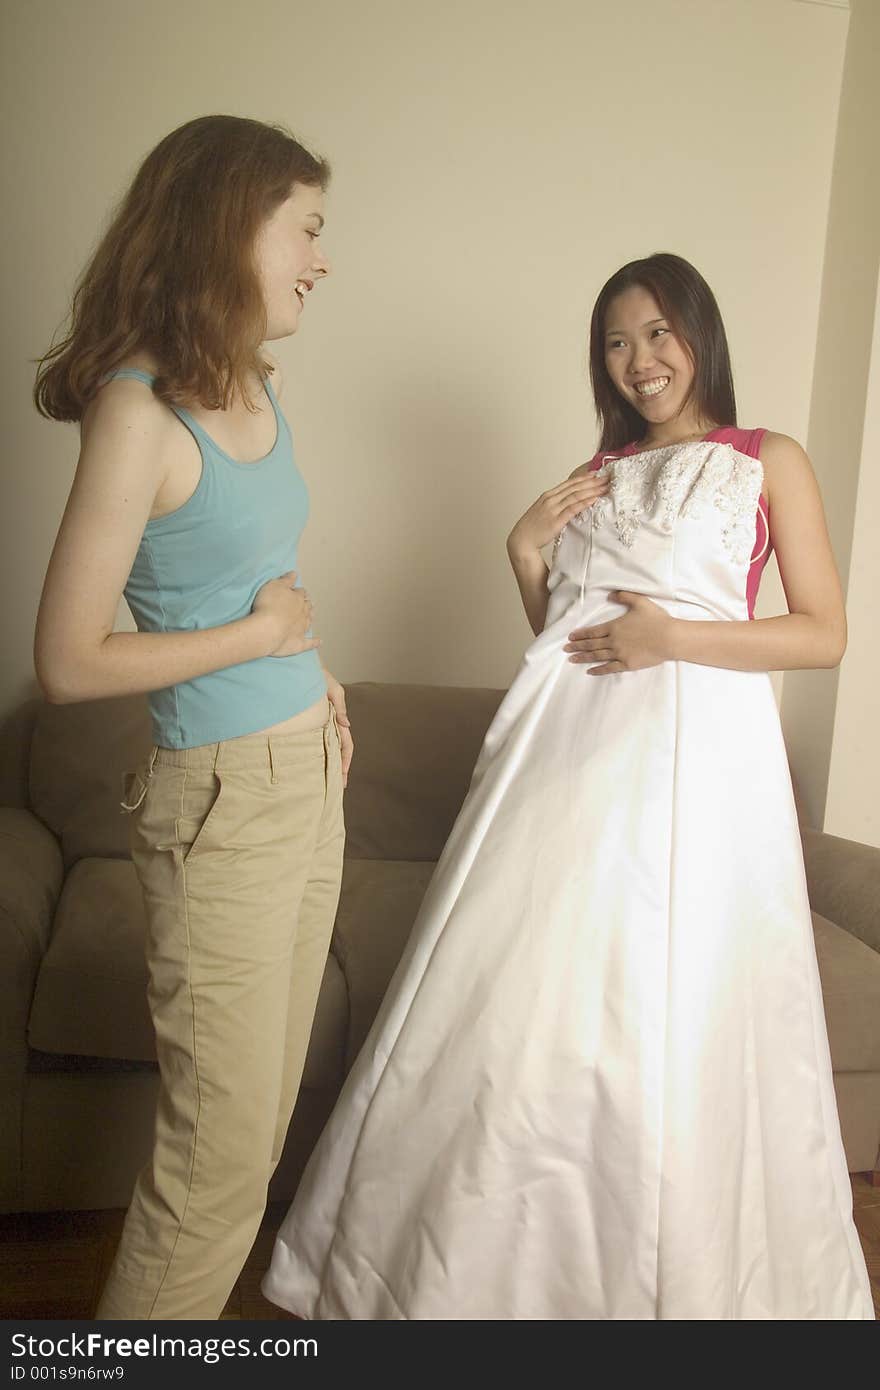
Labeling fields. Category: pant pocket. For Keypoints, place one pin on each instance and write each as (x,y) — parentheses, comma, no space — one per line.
(200,803)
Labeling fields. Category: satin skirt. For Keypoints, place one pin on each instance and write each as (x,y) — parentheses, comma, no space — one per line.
(599,1086)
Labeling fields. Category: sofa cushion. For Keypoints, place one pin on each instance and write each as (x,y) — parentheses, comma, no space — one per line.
(416,750)
(79,754)
(91,999)
(850,974)
(378,906)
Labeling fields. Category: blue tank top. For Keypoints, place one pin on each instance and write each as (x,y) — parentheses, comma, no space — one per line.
(201,566)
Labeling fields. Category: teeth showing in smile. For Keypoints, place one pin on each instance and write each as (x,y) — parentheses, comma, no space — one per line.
(652,387)
(301,289)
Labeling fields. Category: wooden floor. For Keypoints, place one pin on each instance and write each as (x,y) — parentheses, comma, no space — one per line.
(53,1265)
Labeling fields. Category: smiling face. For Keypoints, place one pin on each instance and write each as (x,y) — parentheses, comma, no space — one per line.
(289,259)
(650,367)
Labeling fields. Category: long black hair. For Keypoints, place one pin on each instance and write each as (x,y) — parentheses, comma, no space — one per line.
(689,306)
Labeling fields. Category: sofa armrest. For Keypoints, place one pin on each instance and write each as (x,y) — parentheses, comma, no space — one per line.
(843,879)
(31,873)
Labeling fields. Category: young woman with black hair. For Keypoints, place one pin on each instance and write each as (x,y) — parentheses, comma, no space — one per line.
(599,1086)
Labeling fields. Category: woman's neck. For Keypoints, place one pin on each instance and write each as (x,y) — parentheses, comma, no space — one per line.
(677,431)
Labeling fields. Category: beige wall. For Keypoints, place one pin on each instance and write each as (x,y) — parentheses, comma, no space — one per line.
(494,162)
(817,705)
(853,807)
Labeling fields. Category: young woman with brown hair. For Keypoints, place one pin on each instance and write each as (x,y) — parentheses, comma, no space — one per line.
(187,499)
(599,1086)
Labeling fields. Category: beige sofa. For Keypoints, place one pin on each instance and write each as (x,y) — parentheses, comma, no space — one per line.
(76,1047)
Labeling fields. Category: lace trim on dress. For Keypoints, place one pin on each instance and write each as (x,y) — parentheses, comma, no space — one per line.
(680,481)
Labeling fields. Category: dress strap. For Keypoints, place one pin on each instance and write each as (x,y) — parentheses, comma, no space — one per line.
(135,372)
(746,442)
(752,442)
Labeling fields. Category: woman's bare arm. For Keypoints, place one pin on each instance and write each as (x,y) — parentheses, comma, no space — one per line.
(813,632)
(127,444)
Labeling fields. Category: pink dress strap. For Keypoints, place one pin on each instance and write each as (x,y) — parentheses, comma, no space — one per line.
(748,442)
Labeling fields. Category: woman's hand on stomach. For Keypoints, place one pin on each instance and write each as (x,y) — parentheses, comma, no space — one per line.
(287,613)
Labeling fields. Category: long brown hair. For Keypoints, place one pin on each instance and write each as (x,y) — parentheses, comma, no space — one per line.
(689,305)
(174,274)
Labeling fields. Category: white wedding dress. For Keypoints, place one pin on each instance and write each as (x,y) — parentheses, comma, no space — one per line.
(599,1085)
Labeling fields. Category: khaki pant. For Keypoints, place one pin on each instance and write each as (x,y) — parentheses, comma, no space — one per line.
(238,847)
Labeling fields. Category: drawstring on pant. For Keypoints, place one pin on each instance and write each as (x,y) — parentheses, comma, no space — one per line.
(133,780)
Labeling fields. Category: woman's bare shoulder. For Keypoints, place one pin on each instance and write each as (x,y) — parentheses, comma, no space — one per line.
(126,420)
(782,449)
(787,468)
